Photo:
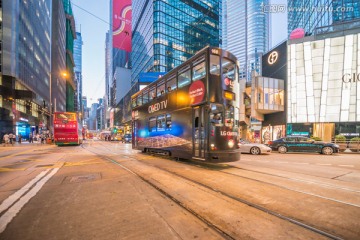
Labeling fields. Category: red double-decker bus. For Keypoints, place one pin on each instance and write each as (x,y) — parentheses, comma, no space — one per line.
(66,129)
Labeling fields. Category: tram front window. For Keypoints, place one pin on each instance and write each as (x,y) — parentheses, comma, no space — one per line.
(229,116)
(216,115)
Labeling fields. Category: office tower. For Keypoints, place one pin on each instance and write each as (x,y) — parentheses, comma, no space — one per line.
(58,57)
(248,33)
(25,68)
(165,34)
(70,36)
(78,72)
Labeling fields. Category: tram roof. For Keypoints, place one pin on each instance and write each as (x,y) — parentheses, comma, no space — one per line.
(174,70)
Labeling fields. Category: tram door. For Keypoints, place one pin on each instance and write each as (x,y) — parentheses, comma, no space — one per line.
(198,132)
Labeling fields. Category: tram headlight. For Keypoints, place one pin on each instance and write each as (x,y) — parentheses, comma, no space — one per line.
(231,143)
(212,146)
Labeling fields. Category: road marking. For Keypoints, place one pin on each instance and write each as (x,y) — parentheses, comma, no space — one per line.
(301,163)
(15,196)
(324,164)
(346,165)
(11,169)
(281,162)
(6,218)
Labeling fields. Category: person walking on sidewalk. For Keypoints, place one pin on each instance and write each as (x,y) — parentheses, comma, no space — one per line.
(11,138)
(6,139)
(30,138)
(20,138)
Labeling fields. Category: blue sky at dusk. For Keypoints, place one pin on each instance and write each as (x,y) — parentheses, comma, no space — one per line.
(93,31)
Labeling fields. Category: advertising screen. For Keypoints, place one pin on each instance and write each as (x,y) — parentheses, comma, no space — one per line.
(122,24)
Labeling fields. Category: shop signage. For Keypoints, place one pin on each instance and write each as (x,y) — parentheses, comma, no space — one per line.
(273,57)
(24,119)
(157,106)
(354,77)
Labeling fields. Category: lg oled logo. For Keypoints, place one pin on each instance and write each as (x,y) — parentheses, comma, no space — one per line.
(348,78)
(273,57)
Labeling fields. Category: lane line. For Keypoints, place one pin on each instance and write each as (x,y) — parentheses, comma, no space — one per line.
(7,217)
(324,164)
(15,196)
(346,165)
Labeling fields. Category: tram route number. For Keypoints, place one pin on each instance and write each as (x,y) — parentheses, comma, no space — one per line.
(226,133)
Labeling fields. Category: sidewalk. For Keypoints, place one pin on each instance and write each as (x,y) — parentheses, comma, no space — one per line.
(23,145)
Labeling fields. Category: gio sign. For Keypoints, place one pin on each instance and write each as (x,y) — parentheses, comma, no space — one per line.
(348,78)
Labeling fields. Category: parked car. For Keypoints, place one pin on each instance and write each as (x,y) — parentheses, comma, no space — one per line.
(253,148)
(127,138)
(303,144)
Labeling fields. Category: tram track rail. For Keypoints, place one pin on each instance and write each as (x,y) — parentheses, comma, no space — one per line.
(230,196)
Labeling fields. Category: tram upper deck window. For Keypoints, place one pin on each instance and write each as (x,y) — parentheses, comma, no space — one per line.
(134,102)
(199,71)
(184,77)
(152,92)
(145,96)
(215,65)
(216,115)
(161,87)
(171,83)
(139,100)
(229,69)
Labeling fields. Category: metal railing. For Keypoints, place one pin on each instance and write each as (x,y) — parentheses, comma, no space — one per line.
(348,145)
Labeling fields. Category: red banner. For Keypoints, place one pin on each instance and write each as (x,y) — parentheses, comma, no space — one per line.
(122,24)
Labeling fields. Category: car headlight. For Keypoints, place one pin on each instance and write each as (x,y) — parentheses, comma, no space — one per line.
(337,146)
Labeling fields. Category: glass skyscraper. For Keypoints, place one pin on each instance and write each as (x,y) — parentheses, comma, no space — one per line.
(78,71)
(310,14)
(167,33)
(248,33)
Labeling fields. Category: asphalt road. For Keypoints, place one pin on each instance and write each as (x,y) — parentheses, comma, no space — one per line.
(104,190)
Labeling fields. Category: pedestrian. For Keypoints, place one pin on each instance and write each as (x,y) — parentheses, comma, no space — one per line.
(6,139)
(11,136)
(30,138)
(20,138)
(41,138)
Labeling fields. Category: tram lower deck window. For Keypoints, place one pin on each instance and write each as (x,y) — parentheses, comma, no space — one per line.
(152,124)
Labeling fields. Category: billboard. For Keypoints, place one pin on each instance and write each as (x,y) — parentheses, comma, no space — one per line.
(121,21)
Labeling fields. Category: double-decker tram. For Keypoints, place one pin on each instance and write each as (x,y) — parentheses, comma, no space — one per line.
(192,111)
(66,129)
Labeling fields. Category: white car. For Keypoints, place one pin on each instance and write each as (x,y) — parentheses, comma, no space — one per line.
(253,148)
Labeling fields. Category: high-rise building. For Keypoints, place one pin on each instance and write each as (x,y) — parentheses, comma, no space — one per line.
(70,36)
(78,72)
(25,66)
(165,34)
(248,33)
(58,57)
(312,14)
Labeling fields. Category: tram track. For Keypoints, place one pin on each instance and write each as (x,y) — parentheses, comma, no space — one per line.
(218,191)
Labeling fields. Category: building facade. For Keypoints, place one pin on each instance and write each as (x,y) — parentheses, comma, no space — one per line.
(167,33)
(58,57)
(313,14)
(70,64)
(78,73)
(248,33)
(324,85)
(25,66)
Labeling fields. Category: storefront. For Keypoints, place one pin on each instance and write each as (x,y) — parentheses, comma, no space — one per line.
(323,87)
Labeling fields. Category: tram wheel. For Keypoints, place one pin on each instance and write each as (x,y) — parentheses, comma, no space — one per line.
(255,151)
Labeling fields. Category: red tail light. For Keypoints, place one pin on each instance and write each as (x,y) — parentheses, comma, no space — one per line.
(270,142)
